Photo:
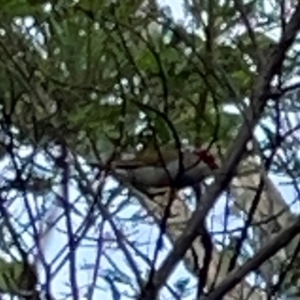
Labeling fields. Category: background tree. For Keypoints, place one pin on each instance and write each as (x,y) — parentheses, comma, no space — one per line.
(85,85)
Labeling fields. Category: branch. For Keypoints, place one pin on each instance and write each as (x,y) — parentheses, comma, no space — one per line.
(233,157)
(280,241)
(193,259)
(272,210)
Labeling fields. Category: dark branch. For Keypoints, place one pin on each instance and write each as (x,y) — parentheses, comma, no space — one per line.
(233,157)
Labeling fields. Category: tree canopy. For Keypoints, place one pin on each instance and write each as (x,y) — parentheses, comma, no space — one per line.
(84,84)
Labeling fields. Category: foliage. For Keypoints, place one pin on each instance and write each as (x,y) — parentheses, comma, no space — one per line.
(17,278)
(97,78)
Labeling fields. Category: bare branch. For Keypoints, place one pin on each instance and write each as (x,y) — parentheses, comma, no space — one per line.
(280,241)
(233,157)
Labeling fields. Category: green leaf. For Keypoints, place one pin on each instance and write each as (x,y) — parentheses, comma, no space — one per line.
(162,130)
(18,8)
(17,277)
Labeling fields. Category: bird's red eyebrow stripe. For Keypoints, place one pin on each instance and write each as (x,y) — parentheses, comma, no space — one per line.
(208,158)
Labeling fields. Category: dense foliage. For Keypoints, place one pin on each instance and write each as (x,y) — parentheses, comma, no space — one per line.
(83,83)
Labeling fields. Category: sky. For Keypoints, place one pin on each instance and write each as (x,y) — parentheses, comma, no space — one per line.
(143,233)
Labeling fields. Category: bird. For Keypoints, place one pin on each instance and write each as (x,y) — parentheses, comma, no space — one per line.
(158,169)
